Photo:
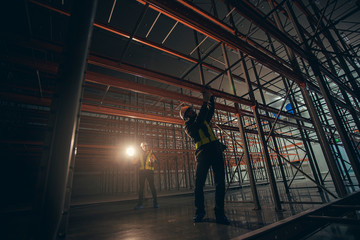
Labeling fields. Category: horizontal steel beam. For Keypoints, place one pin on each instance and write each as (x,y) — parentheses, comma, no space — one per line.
(188,58)
(135,114)
(139,71)
(178,54)
(230,29)
(174,81)
(52,68)
(203,24)
(162,48)
(248,11)
(181,13)
(130,114)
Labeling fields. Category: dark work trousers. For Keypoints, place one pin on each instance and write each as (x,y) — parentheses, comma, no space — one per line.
(149,175)
(210,155)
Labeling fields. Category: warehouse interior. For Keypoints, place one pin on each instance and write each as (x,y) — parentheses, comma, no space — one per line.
(82,81)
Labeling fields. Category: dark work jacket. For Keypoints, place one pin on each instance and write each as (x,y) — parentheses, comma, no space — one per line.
(193,124)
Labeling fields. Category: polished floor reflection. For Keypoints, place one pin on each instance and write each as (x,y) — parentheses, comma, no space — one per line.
(337,231)
(173,220)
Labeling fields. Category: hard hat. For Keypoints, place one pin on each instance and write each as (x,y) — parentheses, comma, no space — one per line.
(143,144)
(183,111)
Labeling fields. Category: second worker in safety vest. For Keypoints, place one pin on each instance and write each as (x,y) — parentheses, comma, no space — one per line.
(208,153)
(147,160)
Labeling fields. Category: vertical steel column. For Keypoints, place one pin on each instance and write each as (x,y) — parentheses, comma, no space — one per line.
(307,146)
(352,155)
(237,161)
(347,71)
(226,162)
(176,156)
(334,171)
(338,123)
(346,47)
(339,185)
(247,159)
(187,158)
(60,144)
(190,169)
(333,71)
(167,176)
(64,222)
(335,47)
(335,147)
(306,136)
(243,136)
(264,148)
(158,146)
(270,125)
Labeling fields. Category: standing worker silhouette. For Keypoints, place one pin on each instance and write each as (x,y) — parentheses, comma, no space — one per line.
(208,153)
(146,171)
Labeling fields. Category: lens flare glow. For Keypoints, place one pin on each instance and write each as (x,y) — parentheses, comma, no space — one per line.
(130,151)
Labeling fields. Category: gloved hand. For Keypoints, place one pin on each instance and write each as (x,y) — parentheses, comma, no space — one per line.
(206,96)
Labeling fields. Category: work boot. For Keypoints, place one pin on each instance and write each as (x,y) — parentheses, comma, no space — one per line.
(198,217)
(156,205)
(222,219)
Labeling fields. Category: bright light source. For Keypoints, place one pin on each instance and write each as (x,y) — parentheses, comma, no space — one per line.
(130,151)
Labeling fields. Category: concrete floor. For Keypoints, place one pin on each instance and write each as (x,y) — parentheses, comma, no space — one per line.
(114,217)
(173,220)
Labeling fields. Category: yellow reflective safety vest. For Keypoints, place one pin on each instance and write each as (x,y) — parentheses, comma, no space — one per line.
(148,162)
(205,138)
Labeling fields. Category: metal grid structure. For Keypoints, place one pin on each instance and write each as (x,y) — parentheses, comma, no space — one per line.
(285,75)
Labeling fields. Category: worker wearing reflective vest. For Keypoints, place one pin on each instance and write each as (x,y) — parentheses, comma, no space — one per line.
(208,153)
(147,159)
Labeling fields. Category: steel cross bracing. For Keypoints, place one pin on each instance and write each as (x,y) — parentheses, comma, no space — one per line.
(122,33)
(111,64)
(164,5)
(332,167)
(146,42)
(114,107)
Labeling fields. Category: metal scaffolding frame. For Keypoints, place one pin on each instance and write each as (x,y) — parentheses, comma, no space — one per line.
(310,67)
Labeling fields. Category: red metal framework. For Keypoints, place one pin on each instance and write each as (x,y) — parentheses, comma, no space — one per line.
(135,83)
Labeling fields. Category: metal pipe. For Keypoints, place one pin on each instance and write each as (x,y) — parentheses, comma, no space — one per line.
(111,12)
(60,140)
(339,185)
(248,160)
(152,26)
(356,90)
(264,147)
(334,145)
(116,31)
(197,46)
(172,29)
(270,133)
(351,152)
(242,134)
(334,171)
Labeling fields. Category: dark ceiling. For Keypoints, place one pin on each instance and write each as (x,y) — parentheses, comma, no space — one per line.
(31,19)
(145,56)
